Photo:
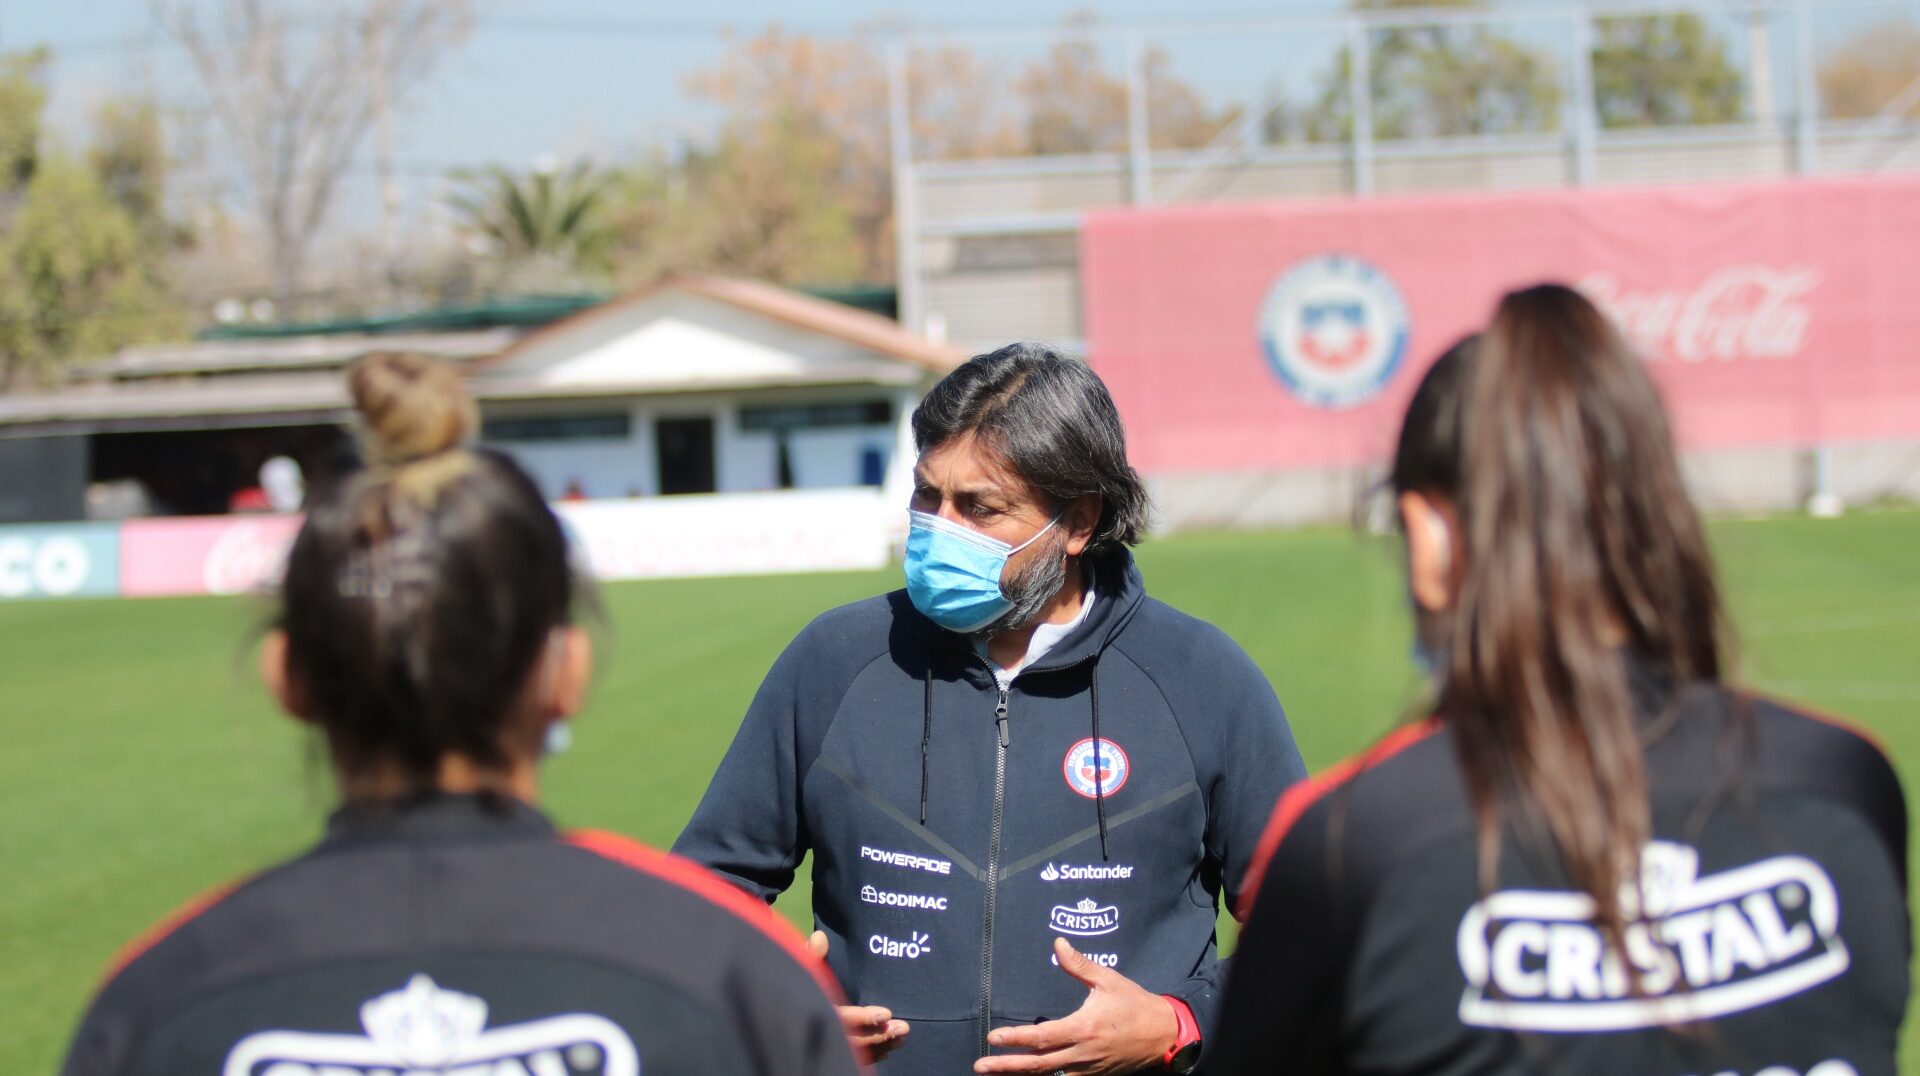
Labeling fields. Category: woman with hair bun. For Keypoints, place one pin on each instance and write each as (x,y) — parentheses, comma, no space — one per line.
(1596,857)
(426,631)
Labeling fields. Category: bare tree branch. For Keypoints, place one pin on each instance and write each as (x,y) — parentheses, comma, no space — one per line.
(296,87)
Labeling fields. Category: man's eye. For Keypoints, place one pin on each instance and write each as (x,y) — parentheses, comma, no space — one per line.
(981,511)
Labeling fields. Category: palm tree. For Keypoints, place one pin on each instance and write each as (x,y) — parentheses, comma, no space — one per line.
(550,226)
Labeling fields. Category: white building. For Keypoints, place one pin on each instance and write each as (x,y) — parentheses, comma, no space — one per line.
(700,426)
(704,385)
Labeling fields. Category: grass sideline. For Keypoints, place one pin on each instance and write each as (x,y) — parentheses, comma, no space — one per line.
(143,763)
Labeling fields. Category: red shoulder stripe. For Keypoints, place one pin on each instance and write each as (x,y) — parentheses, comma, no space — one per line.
(159,932)
(715,890)
(1846,725)
(1296,800)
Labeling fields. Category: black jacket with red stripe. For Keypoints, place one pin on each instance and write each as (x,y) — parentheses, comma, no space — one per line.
(464,935)
(1775,917)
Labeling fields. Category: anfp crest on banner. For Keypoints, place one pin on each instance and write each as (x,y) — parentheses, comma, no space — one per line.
(1335,330)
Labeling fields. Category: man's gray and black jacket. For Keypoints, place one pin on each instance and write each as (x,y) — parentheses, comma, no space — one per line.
(957,829)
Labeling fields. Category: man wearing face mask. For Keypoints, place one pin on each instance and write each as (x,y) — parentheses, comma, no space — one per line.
(1026,785)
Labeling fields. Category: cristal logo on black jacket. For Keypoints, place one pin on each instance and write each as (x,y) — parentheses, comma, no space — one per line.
(1086,919)
(423,1026)
(1706,947)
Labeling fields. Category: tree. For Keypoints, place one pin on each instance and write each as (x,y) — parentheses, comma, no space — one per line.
(296,97)
(129,156)
(766,201)
(825,101)
(72,280)
(1178,114)
(1072,104)
(1872,71)
(550,229)
(1661,70)
(1075,104)
(79,273)
(23,94)
(821,107)
(1441,81)
(959,110)
(77,278)
(821,104)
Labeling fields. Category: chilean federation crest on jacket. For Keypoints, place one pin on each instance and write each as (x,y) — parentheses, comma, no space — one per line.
(1096,774)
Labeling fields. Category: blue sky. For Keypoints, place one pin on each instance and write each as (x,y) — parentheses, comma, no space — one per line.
(549,75)
(569,77)
(602,77)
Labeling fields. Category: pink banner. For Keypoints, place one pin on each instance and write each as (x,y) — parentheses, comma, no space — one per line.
(210,555)
(1290,335)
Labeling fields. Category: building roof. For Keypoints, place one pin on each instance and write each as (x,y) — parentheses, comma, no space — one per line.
(238,355)
(275,399)
(624,346)
(868,331)
(522,311)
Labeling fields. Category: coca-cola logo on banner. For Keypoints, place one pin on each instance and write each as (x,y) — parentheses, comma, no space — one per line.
(1737,312)
(248,556)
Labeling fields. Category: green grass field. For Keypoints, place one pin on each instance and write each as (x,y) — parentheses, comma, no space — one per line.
(142,762)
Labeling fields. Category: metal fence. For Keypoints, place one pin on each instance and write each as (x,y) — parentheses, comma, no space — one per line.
(986,245)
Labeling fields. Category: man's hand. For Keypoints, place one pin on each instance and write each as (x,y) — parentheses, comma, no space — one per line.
(1121,1028)
(872,1030)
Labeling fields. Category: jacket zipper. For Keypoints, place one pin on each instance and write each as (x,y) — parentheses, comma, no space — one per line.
(993,869)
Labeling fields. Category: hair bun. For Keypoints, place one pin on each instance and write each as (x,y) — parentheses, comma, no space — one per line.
(411,407)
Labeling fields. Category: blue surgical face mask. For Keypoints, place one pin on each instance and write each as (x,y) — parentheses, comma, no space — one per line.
(953,572)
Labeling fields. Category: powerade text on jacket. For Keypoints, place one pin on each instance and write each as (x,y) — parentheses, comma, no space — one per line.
(1192,751)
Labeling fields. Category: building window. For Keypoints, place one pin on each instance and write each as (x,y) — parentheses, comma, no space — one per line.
(597,426)
(816,416)
(873,466)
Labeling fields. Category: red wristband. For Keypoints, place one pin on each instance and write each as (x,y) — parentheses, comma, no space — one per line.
(1189,1028)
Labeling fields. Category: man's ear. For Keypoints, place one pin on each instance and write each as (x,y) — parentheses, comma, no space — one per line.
(570,658)
(278,678)
(1432,531)
(1080,519)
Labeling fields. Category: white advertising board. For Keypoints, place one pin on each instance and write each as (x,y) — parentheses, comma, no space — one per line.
(733,534)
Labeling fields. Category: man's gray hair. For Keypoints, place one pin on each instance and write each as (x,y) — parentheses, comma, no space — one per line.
(1049,417)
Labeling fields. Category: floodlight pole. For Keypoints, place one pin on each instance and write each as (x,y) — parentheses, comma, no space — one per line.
(1360,95)
(1139,136)
(1824,502)
(906,209)
(1583,118)
(1766,111)
(1806,141)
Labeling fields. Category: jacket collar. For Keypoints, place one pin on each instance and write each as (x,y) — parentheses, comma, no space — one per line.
(434,816)
(1122,590)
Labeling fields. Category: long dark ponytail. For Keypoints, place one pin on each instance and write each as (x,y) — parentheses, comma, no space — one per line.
(1579,541)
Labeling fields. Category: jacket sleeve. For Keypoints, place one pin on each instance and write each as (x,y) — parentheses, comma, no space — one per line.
(749,825)
(1203,993)
(1254,762)
(1239,735)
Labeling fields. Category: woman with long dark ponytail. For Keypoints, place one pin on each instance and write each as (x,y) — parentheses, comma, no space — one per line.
(1594,857)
